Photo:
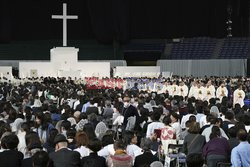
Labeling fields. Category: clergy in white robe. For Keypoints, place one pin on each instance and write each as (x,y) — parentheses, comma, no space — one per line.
(182,90)
(221,91)
(192,90)
(239,96)
(162,88)
(174,90)
(168,87)
(209,91)
(199,92)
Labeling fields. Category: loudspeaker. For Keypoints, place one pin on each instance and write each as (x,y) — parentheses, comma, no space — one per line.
(248,67)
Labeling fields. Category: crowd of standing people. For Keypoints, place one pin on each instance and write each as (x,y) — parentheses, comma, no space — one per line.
(46,122)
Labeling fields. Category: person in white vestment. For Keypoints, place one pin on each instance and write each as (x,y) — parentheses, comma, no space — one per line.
(221,92)
(199,92)
(174,89)
(209,91)
(239,96)
(183,90)
(192,89)
(166,88)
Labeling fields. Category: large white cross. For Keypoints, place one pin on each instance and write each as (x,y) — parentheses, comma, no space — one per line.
(64,17)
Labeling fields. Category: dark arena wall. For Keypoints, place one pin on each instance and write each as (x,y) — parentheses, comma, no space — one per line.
(105,20)
(28,32)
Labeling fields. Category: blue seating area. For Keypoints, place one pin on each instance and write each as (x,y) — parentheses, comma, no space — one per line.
(194,48)
(235,48)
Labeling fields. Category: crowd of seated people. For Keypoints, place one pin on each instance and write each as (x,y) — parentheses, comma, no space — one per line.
(57,122)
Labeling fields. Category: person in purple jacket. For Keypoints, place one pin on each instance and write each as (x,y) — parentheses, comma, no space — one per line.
(217,149)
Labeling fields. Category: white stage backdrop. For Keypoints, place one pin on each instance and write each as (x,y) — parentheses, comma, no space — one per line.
(81,69)
(15,63)
(137,71)
(94,69)
(36,69)
(198,68)
(6,71)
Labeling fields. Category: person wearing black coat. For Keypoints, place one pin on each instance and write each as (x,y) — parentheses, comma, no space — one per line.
(64,157)
(147,157)
(92,109)
(129,111)
(93,160)
(10,157)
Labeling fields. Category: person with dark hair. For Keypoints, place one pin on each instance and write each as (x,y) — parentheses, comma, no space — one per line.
(42,127)
(192,118)
(147,157)
(185,132)
(240,125)
(32,141)
(4,127)
(193,142)
(176,124)
(25,128)
(89,130)
(107,139)
(40,159)
(167,133)
(63,157)
(49,145)
(217,149)
(200,111)
(229,121)
(130,140)
(92,108)
(10,157)
(147,104)
(120,157)
(85,105)
(233,141)
(33,145)
(203,126)
(214,122)
(195,160)
(71,133)
(65,126)
(93,160)
(241,153)
(185,118)
(156,124)
(12,116)
(108,111)
(238,111)
(131,115)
